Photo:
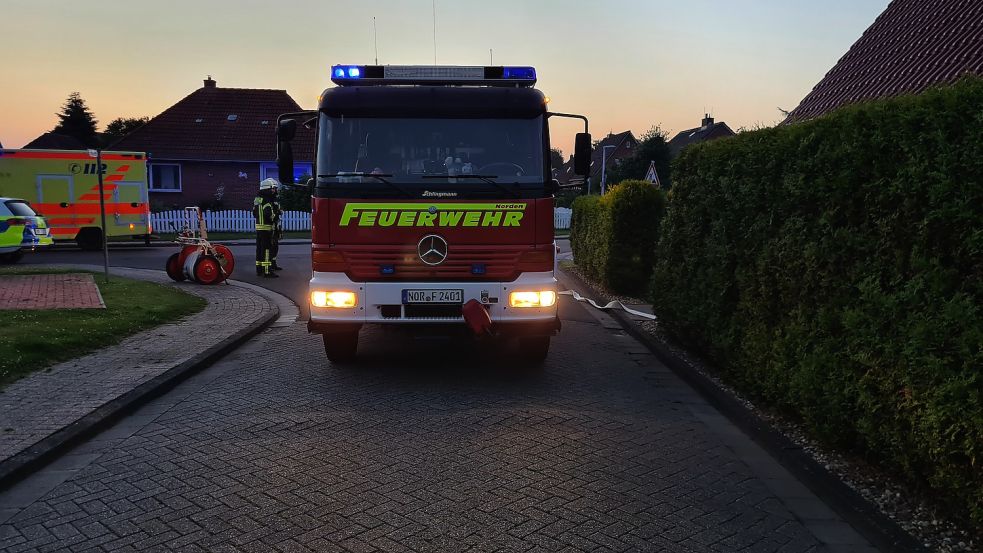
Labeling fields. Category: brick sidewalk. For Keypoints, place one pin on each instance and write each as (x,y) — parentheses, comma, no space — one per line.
(59,291)
(45,402)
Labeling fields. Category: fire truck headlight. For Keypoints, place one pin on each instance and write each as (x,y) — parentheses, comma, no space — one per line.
(545,298)
(321,298)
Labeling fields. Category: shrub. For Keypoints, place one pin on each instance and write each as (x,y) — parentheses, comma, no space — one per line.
(834,269)
(613,236)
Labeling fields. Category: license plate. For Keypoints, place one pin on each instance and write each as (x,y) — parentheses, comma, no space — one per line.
(433,296)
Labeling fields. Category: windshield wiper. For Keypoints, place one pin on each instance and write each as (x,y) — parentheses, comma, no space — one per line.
(485,178)
(378,176)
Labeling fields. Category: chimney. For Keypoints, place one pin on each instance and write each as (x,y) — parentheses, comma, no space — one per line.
(209,82)
(705,124)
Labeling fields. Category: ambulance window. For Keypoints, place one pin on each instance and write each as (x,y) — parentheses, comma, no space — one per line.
(20,209)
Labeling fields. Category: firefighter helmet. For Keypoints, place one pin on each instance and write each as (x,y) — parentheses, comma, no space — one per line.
(269,184)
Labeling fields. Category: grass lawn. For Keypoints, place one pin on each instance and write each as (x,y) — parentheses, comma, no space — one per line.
(35,339)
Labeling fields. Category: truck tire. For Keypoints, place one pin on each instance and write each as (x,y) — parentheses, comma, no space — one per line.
(534,349)
(89,239)
(341,347)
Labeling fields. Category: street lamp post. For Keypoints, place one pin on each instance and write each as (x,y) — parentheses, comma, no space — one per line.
(604,166)
(102,212)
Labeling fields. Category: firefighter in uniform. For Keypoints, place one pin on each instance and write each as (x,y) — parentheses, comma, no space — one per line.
(277,226)
(264,213)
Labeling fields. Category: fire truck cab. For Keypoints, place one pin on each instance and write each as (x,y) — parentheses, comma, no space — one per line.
(432,203)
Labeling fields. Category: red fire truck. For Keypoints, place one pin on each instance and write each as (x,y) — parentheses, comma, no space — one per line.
(432,203)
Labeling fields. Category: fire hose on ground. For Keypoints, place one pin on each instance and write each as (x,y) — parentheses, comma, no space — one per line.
(609,305)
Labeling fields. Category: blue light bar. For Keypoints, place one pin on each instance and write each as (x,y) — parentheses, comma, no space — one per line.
(450,75)
(346,72)
(519,73)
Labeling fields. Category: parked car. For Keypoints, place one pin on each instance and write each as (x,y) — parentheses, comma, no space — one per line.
(21,229)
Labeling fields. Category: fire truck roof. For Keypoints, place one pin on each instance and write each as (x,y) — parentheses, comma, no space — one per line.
(430,101)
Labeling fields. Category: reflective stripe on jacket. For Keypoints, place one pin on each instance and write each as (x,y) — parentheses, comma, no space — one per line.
(264,213)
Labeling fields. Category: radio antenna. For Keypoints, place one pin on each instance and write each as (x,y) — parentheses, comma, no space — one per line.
(375,40)
(491,57)
(434,6)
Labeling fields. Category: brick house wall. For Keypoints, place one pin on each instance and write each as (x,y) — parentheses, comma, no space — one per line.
(223,142)
(211,184)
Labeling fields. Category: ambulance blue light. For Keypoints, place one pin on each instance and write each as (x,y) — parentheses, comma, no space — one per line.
(354,72)
(478,268)
(387,269)
(519,73)
(339,72)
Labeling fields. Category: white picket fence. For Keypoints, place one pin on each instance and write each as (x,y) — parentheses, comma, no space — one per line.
(561,217)
(232,220)
(240,220)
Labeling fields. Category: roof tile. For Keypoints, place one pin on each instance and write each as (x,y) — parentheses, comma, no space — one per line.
(201,126)
(912,45)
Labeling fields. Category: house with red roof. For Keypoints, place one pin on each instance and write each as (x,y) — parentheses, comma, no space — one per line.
(911,46)
(213,147)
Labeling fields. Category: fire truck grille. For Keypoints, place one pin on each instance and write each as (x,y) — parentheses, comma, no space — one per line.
(462,263)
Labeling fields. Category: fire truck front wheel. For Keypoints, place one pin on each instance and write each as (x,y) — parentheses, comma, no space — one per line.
(341,347)
(534,349)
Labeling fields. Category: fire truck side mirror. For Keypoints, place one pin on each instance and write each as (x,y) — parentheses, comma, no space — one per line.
(581,154)
(285,132)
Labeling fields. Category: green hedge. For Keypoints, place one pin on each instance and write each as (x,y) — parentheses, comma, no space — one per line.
(834,269)
(613,236)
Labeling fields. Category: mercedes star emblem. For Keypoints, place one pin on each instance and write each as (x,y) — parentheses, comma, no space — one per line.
(432,249)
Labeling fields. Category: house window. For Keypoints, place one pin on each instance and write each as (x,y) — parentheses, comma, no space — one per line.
(165,177)
(269,171)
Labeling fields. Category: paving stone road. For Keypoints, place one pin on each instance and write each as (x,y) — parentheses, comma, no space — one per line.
(44,402)
(424,446)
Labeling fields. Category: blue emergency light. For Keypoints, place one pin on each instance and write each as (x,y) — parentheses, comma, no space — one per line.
(475,75)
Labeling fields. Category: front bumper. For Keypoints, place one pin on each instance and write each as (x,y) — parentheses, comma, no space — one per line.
(381,302)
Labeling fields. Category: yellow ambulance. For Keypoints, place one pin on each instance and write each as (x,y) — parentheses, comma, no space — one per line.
(63,185)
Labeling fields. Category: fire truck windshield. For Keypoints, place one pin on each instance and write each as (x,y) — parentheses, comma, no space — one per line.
(413,154)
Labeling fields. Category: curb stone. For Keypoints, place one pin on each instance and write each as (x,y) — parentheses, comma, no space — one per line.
(35,457)
(863,515)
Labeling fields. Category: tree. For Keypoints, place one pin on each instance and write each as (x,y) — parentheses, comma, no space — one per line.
(556,158)
(652,147)
(120,127)
(77,121)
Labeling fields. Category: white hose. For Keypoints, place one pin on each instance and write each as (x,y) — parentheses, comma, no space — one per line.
(610,305)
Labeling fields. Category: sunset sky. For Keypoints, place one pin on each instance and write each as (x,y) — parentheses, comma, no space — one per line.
(627,64)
